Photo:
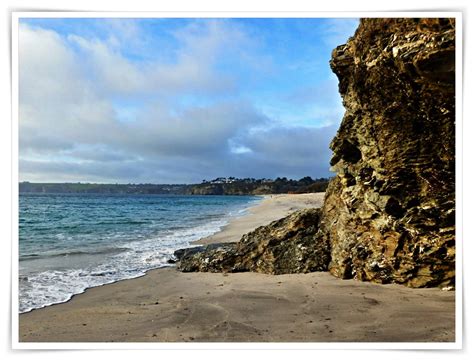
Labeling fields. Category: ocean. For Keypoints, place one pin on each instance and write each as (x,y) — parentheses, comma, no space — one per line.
(71,242)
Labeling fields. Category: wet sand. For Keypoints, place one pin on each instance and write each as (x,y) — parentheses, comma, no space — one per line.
(170,306)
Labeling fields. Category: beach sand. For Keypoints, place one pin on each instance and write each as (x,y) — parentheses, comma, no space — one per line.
(168,306)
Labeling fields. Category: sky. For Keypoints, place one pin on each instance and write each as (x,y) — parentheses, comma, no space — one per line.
(123,100)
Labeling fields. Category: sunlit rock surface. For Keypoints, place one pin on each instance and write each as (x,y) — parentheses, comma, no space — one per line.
(389,214)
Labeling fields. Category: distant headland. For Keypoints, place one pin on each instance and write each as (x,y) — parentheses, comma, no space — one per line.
(217,186)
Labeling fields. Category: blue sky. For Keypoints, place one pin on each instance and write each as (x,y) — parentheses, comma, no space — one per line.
(177,100)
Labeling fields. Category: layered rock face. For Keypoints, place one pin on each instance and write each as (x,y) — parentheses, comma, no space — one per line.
(389,214)
(289,245)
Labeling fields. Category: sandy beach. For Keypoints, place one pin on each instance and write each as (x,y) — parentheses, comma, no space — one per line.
(169,306)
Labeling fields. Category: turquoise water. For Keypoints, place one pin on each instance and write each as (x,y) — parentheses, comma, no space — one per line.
(70,242)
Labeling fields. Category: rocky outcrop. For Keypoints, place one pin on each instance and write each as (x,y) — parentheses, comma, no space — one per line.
(389,213)
(288,245)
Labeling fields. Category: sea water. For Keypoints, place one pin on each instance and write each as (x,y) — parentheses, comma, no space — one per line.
(71,242)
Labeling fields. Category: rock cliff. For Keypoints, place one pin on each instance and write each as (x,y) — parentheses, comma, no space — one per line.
(389,214)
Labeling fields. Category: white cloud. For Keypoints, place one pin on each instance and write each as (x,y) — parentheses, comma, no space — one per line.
(57,100)
(113,72)
(199,46)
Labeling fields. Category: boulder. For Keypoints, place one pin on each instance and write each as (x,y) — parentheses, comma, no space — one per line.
(288,245)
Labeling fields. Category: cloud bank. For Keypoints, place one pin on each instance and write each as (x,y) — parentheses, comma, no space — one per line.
(143,101)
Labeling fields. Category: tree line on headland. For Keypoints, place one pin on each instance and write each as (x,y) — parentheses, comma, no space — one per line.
(218,186)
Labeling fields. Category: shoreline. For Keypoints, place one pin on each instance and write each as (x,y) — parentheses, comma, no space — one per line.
(165,305)
(227,220)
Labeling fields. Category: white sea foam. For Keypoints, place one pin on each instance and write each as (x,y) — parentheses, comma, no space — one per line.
(40,289)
